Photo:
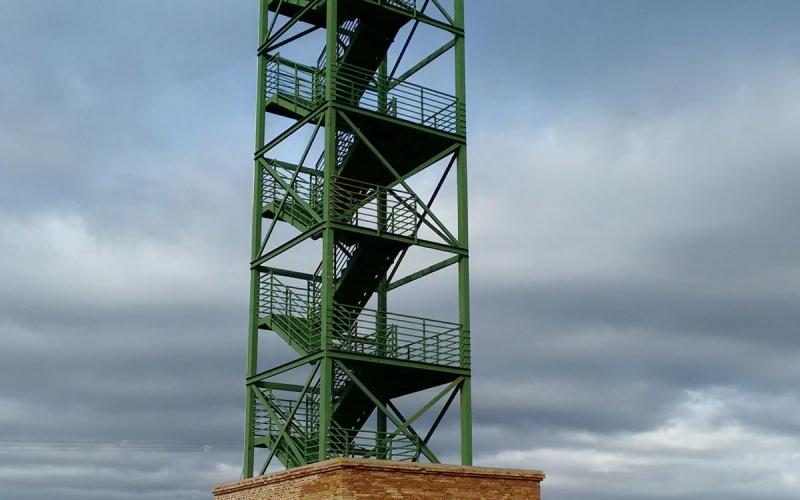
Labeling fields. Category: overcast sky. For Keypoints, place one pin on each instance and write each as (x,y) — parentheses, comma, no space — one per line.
(635,245)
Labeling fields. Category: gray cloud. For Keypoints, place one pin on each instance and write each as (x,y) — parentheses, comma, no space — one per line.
(635,256)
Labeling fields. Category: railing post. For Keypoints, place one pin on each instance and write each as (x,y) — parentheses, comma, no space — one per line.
(296,84)
(424,343)
(277,77)
(422,106)
(383,87)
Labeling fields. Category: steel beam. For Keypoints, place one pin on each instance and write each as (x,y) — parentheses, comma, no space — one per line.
(463,240)
(424,62)
(286,367)
(424,272)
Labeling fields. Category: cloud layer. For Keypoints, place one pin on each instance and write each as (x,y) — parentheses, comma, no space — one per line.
(635,254)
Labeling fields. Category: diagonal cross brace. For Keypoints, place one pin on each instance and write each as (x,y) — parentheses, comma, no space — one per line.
(427,163)
(450,238)
(441,415)
(408,41)
(293,193)
(286,133)
(285,246)
(421,218)
(268,406)
(444,12)
(430,204)
(413,436)
(417,67)
(274,19)
(407,424)
(289,190)
(442,412)
(286,27)
(289,418)
(400,416)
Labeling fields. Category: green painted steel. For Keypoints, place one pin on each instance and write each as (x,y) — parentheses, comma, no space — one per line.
(348,355)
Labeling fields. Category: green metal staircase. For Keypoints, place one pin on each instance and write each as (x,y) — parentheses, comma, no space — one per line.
(356,203)
(368,265)
(418,116)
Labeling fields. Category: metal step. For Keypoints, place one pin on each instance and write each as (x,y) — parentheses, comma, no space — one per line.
(298,332)
(364,271)
(291,213)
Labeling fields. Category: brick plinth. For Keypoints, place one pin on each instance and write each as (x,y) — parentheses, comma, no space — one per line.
(352,479)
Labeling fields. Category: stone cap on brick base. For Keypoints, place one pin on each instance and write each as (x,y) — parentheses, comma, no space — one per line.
(360,478)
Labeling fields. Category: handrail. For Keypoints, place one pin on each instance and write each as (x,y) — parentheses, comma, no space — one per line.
(309,187)
(302,428)
(287,305)
(305,68)
(364,443)
(293,81)
(367,331)
(404,337)
(404,4)
(355,86)
(374,207)
(353,202)
(411,102)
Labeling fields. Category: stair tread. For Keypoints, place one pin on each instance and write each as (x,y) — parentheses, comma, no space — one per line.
(291,213)
(369,263)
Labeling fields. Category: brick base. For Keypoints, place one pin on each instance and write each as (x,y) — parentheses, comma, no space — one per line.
(351,479)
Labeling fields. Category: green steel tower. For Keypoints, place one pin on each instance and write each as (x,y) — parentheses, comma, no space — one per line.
(337,212)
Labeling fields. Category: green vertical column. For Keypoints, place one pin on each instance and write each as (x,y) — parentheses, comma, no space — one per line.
(326,377)
(463,236)
(252,344)
(381,324)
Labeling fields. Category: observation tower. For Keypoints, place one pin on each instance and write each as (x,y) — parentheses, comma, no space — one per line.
(359,168)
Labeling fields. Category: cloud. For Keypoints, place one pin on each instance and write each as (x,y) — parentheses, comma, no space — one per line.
(113,473)
(700,450)
(634,249)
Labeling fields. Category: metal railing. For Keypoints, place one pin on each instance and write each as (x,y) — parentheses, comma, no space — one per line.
(294,310)
(305,85)
(403,4)
(356,203)
(365,444)
(399,99)
(374,207)
(303,428)
(398,336)
(309,187)
(304,420)
(295,82)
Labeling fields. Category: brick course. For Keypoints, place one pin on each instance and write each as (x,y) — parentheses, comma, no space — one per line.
(353,479)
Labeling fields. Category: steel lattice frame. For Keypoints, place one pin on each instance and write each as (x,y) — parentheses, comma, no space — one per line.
(379,130)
